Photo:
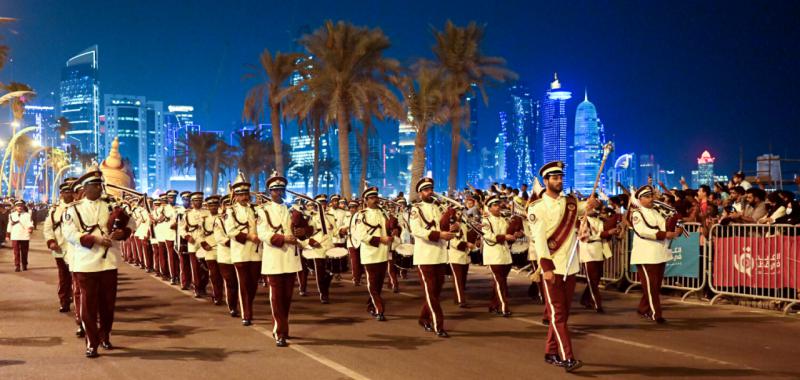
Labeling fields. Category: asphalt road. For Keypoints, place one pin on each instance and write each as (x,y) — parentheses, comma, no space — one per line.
(162,332)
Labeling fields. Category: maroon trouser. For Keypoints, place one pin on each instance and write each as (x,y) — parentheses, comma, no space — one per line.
(163,259)
(355,265)
(20,252)
(248,273)
(202,283)
(64,282)
(228,272)
(302,275)
(99,296)
(651,276)
(147,253)
(591,295)
(323,278)
(185,265)
(500,293)
(393,272)
(558,295)
(376,273)
(215,277)
(173,259)
(432,279)
(76,297)
(281,287)
(460,281)
(193,270)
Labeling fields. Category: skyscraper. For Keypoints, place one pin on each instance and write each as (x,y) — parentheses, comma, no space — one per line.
(705,170)
(518,122)
(79,99)
(406,134)
(178,124)
(588,146)
(554,127)
(126,119)
(157,163)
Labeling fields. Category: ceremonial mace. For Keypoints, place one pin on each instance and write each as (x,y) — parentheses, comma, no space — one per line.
(583,230)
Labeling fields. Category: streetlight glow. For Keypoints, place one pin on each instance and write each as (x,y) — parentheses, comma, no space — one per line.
(15,124)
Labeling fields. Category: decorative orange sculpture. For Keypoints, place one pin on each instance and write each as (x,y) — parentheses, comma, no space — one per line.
(115,171)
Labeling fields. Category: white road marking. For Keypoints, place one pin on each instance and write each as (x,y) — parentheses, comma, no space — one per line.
(317,357)
(303,350)
(642,345)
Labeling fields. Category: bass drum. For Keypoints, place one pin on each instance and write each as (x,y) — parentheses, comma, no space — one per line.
(337,260)
(519,253)
(403,256)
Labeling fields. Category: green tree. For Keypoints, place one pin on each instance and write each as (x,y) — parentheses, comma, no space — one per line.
(458,53)
(196,153)
(425,102)
(275,72)
(347,68)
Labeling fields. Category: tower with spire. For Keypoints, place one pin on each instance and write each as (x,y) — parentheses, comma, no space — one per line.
(587,144)
(554,132)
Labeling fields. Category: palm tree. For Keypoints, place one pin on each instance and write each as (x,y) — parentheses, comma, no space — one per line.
(426,105)
(222,158)
(276,71)
(23,148)
(307,108)
(85,159)
(18,102)
(458,52)
(329,167)
(252,155)
(348,69)
(303,173)
(196,153)
(4,49)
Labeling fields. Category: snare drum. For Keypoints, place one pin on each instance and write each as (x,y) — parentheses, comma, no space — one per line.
(337,260)
(403,256)
(519,253)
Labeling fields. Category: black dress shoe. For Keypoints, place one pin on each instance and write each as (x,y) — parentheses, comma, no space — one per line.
(80,333)
(571,365)
(107,345)
(506,314)
(324,301)
(24,267)
(396,289)
(246,322)
(661,320)
(16,270)
(281,342)
(442,334)
(173,281)
(553,359)
(63,309)
(303,293)
(380,318)
(426,326)
(92,353)
(646,315)
(198,295)
(463,305)
(234,313)
(600,310)
(217,302)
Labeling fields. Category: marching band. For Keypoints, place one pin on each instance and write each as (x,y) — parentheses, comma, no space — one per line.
(235,242)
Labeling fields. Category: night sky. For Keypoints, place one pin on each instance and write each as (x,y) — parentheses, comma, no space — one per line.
(670,79)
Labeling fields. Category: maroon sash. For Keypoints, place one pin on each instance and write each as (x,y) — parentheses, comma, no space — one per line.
(565,227)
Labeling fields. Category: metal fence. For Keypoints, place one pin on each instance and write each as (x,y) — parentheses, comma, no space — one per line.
(615,267)
(689,284)
(755,261)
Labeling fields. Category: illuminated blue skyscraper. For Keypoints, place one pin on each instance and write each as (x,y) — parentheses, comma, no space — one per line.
(554,127)
(588,146)
(79,100)
(126,119)
(519,124)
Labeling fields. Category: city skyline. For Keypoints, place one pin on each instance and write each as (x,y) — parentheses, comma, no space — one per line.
(635,109)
